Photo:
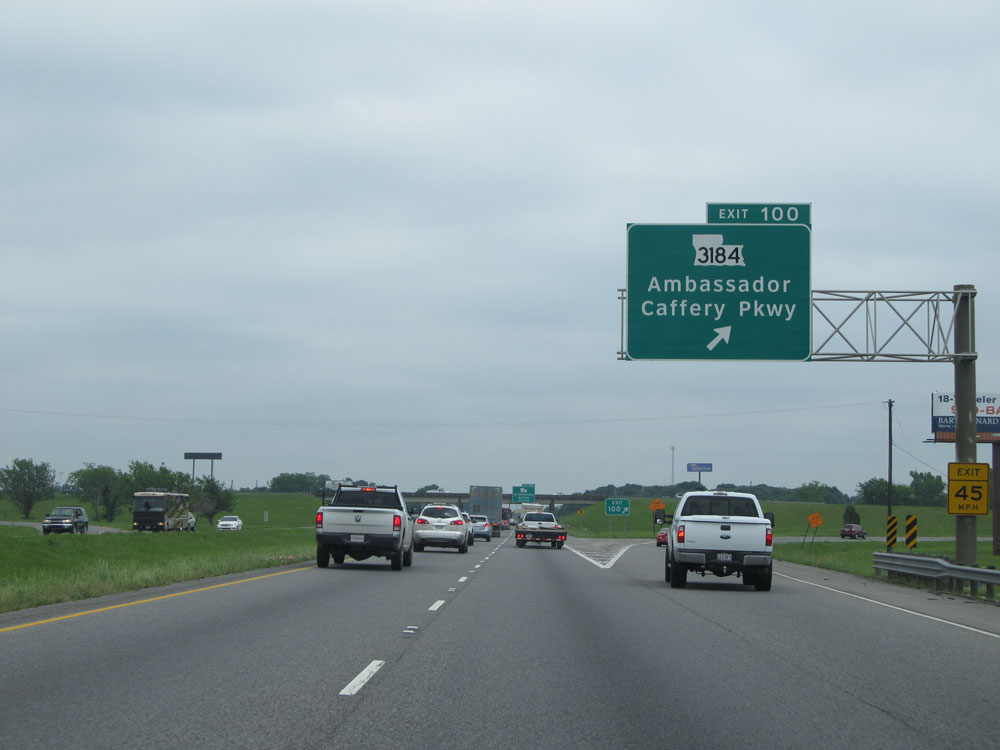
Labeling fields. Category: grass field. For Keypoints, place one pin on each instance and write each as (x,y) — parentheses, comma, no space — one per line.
(790,519)
(39,570)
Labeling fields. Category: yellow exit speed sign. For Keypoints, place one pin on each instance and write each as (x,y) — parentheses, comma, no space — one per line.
(968,489)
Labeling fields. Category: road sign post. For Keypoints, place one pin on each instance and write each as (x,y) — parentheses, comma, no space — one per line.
(617,506)
(718,291)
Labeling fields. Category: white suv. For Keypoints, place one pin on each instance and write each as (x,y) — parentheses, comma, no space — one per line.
(440,526)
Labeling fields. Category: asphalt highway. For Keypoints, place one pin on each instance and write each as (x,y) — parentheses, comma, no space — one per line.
(584,647)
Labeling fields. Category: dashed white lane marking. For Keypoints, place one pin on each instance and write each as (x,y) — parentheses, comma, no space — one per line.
(366,674)
(436,605)
(463,579)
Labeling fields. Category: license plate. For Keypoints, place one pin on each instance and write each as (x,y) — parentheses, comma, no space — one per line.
(724,557)
(357,537)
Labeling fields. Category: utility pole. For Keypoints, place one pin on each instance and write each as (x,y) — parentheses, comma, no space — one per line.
(888,507)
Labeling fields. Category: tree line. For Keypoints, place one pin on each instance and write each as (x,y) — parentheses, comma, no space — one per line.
(109,490)
(924,489)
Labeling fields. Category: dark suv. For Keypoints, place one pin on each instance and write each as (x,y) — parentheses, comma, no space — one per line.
(854,531)
(66,519)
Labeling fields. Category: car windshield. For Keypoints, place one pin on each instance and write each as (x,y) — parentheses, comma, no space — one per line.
(230,518)
(62,511)
(439,512)
(148,503)
(479,519)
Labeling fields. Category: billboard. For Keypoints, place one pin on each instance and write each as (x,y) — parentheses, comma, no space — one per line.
(987,417)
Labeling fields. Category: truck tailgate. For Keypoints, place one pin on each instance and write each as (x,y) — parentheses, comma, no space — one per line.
(734,533)
(358,520)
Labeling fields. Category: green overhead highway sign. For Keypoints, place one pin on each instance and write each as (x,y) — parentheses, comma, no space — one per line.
(760,213)
(718,291)
(523,493)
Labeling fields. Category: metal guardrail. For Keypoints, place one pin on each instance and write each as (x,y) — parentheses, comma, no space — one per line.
(943,573)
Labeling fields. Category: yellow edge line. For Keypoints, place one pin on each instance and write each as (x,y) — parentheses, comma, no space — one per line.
(153,599)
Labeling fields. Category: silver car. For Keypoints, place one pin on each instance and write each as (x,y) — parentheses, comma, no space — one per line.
(440,526)
(469,530)
(481,527)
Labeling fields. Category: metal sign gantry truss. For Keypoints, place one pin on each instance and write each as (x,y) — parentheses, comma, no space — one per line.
(886,326)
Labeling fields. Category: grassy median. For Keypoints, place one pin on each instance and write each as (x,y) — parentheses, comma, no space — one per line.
(41,569)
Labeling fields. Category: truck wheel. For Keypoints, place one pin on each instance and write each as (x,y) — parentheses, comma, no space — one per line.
(322,556)
(666,568)
(678,575)
(520,542)
(338,557)
(408,557)
(762,580)
(559,545)
(396,559)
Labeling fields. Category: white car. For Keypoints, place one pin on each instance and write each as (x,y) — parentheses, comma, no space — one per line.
(229,523)
(440,526)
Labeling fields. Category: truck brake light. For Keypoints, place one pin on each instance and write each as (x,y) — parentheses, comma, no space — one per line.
(680,534)
(319,519)
(770,538)
(397,523)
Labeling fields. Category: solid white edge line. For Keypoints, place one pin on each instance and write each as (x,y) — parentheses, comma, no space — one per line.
(366,674)
(436,605)
(891,606)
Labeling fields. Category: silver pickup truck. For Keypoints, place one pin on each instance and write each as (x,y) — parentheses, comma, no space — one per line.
(364,522)
(720,533)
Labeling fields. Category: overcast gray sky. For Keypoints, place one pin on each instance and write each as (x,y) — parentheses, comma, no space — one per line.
(383,239)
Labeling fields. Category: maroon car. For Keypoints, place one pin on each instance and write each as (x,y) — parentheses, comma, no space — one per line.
(854,531)
(663,536)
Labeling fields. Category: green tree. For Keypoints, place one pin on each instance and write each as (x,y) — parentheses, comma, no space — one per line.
(301,482)
(851,514)
(210,497)
(814,492)
(97,485)
(142,476)
(428,488)
(876,492)
(928,489)
(27,482)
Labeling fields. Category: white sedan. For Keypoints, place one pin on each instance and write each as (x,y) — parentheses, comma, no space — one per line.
(229,523)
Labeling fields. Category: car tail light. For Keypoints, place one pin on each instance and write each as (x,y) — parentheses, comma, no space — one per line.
(397,523)
(319,519)
(458,522)
(770,538)
(422,520)
(680,534)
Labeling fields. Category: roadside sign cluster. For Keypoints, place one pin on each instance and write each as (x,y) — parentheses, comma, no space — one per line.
(738,287)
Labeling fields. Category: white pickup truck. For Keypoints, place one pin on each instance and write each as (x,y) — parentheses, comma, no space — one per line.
(540,528)
(720,533)
(364,522)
